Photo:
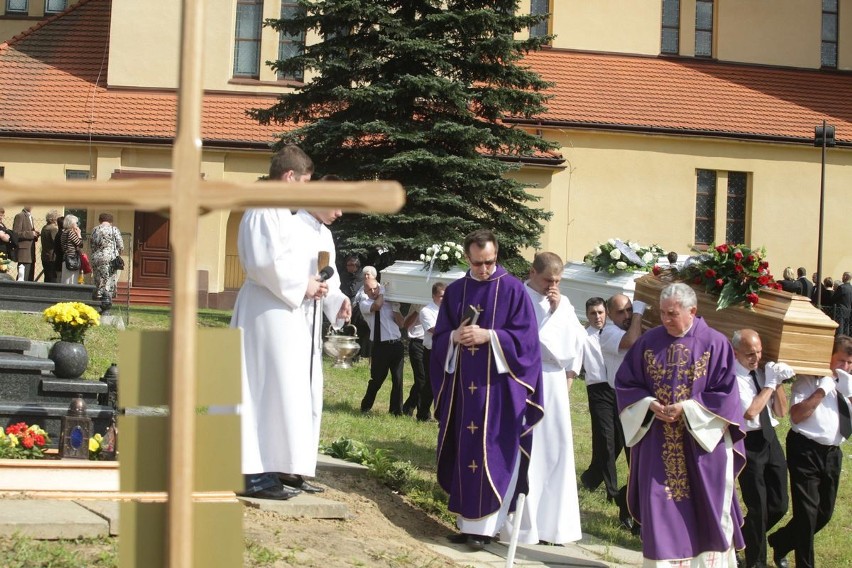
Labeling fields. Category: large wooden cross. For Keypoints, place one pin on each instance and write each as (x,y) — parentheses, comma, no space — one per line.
(186,196)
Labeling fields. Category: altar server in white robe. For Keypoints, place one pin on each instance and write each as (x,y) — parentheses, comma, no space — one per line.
(552,511)
(277,407)
(336,307)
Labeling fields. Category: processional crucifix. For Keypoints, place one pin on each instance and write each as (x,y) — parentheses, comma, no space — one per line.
(185,195)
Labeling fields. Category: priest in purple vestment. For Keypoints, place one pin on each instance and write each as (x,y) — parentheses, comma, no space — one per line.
(486,376)
(678,401)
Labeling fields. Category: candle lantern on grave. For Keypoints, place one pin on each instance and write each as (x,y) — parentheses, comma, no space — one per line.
(76,431)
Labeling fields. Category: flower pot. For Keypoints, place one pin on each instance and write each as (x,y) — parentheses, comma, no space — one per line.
(70,359)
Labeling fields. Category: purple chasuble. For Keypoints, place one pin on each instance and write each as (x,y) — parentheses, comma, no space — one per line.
(486,417)
(676,489)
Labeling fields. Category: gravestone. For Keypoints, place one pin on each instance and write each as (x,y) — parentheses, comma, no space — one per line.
(29,392)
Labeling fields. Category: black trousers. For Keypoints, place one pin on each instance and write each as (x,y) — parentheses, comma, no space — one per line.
(418,359)
(388,356)
(607,439)
(763,484)
(814,478)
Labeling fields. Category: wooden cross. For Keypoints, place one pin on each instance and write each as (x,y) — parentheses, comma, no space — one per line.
(185,196)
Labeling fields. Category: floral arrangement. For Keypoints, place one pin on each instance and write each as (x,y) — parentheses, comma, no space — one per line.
(71,320)
(443,257)
(734,272)
(615,255)
(96,446)
(4,262)
(23,442)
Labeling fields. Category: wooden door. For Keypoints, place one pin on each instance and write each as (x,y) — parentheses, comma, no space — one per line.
(152,259)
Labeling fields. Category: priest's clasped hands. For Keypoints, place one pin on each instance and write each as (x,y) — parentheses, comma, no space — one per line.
(667,413)
(469,335)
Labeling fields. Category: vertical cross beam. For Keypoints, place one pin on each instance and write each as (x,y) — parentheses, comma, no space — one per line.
(186,163)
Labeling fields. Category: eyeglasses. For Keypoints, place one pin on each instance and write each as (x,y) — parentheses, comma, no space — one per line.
(478,263)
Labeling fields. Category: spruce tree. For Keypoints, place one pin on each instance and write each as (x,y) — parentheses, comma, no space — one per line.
(414,91)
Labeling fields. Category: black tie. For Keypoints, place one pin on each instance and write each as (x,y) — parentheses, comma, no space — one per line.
(845,418)
(377,324)
(765,422)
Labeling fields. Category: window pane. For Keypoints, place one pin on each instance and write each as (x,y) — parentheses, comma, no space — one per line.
(55,5)
(248,21)
(705,207)
(704,44)
(737,187)
(829,27)
(829,5)
(538,7)
(246,59)
(704,15)
(16,5)
(671,13)
(670,41)
(82,214)
(828,54)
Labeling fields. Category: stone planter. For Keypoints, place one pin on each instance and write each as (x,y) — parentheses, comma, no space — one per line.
(70,359)
(580,282)
(791,329)
(406,281)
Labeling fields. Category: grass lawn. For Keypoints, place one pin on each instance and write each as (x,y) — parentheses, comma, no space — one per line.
(407,440)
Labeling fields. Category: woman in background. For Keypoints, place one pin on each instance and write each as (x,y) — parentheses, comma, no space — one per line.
(71,241)
(106,246)
(49,247)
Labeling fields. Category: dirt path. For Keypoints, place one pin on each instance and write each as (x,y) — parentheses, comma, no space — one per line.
(383,531)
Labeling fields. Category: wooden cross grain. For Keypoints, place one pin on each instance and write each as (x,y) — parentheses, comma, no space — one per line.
(185,196)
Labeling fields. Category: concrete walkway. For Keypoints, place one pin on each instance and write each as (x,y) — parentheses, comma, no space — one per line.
(69,519)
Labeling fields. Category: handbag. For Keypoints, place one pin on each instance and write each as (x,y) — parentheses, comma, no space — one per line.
(72,262)
(116,263)
(85,265)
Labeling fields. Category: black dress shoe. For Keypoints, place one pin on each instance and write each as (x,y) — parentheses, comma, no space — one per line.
(478,542)
(780,561)
(458,538)
(299,482)
(275,493)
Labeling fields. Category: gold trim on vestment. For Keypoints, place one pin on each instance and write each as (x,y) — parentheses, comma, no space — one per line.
(673,381)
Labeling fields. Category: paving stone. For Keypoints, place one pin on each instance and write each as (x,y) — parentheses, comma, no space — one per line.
(301,506)
(107,510)
(49,519)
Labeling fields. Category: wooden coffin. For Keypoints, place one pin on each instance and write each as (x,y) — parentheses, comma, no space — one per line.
(406,281)
(791,329)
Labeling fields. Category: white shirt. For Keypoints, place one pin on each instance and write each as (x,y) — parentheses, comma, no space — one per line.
(747,393)
(823,426)
(416,330)
(428,319)
(610,337)
(389,328)
(593,361)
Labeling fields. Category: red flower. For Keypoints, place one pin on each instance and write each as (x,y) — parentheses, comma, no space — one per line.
(764,264)
(723,249)
(738,268)
(27,442)
(738,255)
(39,440)
(750,258)
(710,273)
(763,280)
(719,282)
(656,270)
(697,280)
(751,298)
(776,285)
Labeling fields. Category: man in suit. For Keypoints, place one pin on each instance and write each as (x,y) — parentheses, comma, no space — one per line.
(807,285)
(842,302)
(27,236)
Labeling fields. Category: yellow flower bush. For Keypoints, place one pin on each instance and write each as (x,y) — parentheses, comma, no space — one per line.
(71,320)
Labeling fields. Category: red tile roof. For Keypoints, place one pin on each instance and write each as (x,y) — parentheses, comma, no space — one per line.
(53,85)
(688,95)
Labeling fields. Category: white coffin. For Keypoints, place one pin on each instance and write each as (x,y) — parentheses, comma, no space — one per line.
(406,281)
(581,282)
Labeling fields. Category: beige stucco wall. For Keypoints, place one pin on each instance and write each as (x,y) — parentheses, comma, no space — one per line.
(154,24)
(32,161)
(789,32)
(642,188)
